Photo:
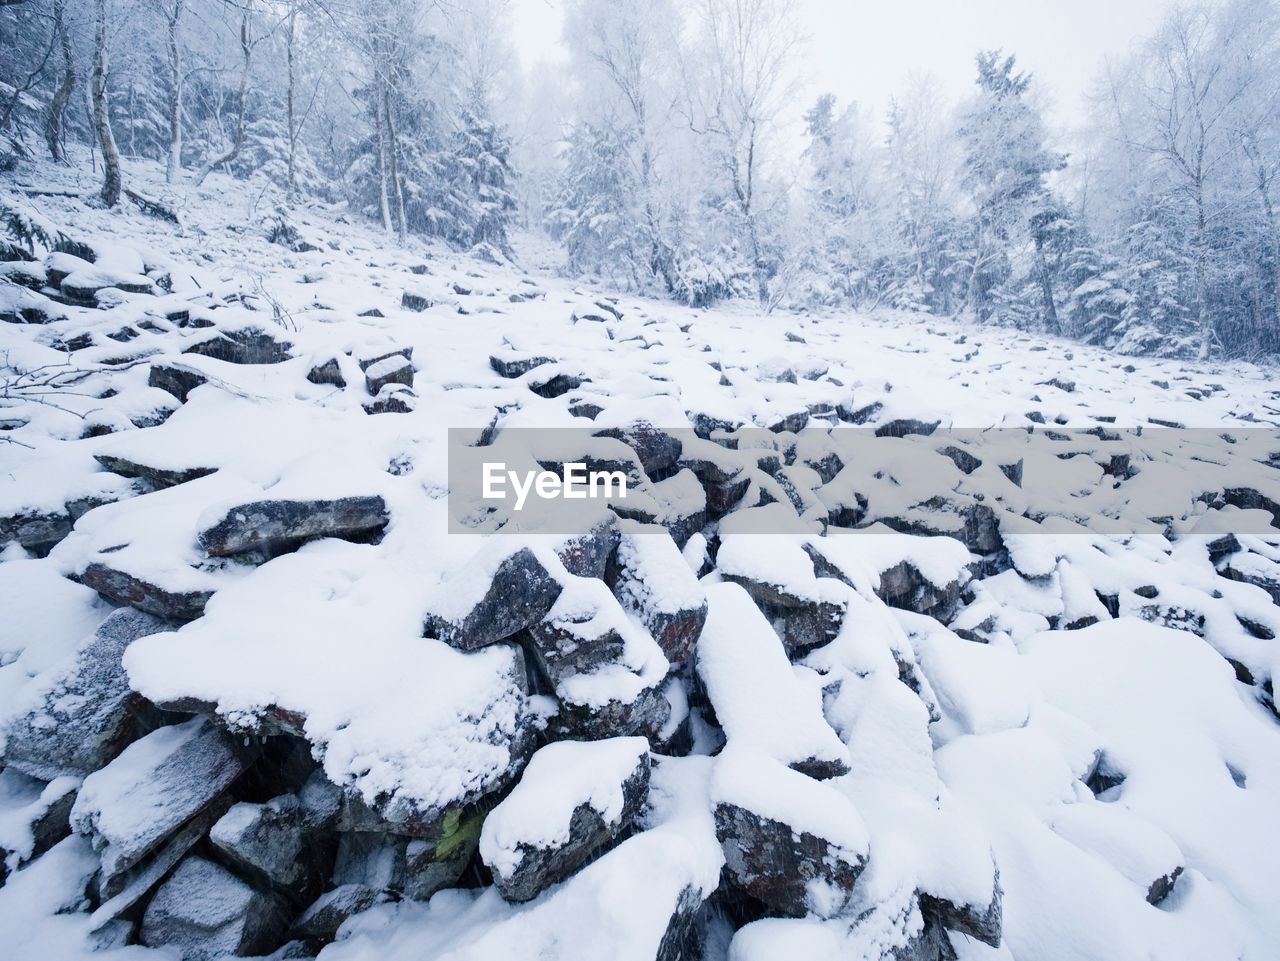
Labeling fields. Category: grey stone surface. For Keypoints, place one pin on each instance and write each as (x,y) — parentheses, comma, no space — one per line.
(90,714)
(272,526)
(206,912)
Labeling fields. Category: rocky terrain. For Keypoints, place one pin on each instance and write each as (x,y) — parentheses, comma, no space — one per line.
(261,696)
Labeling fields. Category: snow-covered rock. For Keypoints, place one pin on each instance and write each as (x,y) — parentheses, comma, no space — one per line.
(573,799)
(651,579)
(34,816)
(794,843)
(150,790)
(271,843)
(86,714)
(272,526)
(500,593)
(761,702)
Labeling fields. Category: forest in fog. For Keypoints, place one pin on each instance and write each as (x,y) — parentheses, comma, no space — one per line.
(665,158)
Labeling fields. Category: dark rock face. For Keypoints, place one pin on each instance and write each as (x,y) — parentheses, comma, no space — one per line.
(675,626)
(965,461)
(92,714)
(396,369)
(646,714)
(415,302)
(327,373)
(1068,386)
(368,358)
(590,835)
(982,923)
(904,586)
(175,379)
(247,346)
(410,867)
(125,588)
(160,477)
(206,912)
(576,643)
(1163,886)
(1174,616)
(811,626)
(271,844)
(773,863)
(672,947)
(588,554)
(974,524)
(557,385)
(931,944)
(320,921)
(275,526)
(520,592)
(81,287)
(45,815)
(1249,498)
(1269,581)
(658,450)
(512,364)
(392,399)
(37,531)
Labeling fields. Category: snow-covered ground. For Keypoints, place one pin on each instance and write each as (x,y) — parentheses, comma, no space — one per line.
(1029,740)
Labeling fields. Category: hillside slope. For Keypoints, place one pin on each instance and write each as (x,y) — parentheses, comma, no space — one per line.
(259,692)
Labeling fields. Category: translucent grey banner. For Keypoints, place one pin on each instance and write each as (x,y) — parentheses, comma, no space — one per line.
(976,485)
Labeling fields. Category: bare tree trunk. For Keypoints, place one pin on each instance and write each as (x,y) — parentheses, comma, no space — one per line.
(744,194)
(133,119)
(1046,289)
(289,108)
(402,227)
(111,182)
(176,83)
(246,52)
(58,105)
(972,295)
(1202,318)
(380,139)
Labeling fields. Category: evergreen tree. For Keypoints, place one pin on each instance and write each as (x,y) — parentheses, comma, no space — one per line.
(1006,161)
(593,214)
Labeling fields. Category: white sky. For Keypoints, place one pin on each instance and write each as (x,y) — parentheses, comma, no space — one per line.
(864,49)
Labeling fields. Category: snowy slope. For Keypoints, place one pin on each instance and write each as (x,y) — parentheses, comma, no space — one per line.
(1033,740)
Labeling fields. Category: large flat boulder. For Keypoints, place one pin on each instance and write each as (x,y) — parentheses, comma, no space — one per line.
(128,808)
(125,587)
(273,526)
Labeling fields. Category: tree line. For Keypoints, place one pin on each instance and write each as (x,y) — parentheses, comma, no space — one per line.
(664,157)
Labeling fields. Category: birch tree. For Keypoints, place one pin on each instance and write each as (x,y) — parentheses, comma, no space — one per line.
(111,180)
(737,81)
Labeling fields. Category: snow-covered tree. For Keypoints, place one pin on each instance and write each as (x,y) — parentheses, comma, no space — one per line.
(737,80)
(1006,163)
(593,213)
